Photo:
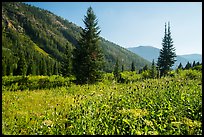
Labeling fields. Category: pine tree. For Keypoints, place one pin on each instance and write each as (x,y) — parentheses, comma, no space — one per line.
(38,66)
(21,65)
(49,65)
(198,63)
(116,71)
(167,55)
(153,70)
(145,68)
(122,68)
(193,64)
(140,71)
(9,70)
(56,72)
(3,67)
(43,67)
(66,66)
(132,66)
(88,57)
(188,65)
(31,68)
(180,66)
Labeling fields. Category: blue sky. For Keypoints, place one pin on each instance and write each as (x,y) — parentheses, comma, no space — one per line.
(131,24)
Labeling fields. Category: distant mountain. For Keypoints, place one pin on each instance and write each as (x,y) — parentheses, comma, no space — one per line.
(193,57)
(149,53)
(41,36)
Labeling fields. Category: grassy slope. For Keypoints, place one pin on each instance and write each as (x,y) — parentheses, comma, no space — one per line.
(153,106)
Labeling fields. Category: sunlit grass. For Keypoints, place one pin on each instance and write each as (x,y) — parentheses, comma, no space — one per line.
(147,107)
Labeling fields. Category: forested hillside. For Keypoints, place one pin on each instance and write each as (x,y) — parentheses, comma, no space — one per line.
(35,39)
(54,81)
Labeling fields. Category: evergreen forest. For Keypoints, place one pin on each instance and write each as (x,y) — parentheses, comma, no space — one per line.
(61,79)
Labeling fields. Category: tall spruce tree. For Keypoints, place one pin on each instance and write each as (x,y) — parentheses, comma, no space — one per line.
(133,66)
(21,65)
(31,68)
(88,57)
(43,67)
(67,62)
(4,65)
(167,55)
(145,68)
(116,71)
(122,68)
(193,64)
(180,66)
(198,63)
(153,70)
(56,66)
(188,65)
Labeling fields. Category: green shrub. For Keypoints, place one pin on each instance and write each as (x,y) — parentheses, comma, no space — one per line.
(171,73)
(165,106)
(199,67)
(146,74)
(191,74)
(14,83)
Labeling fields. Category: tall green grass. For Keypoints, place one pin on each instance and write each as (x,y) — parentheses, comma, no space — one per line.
(166,106)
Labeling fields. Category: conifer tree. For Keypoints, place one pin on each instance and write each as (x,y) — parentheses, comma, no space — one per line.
(116,71)
(88,57)
(67,62)
(3,68)
(167,55)
(21,65)
(145,68)
(49,65)
(188,65)
(122,68)
(153,70)
(140,71)
(193,64)
(132,66)
(9,70)
(31,68)
(38,67)
(43,67)
(198,63)
(56,72)
(180,66)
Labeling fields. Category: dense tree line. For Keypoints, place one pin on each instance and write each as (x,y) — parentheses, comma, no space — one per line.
(52,34)
(26,60)
(48,47)
(189,65)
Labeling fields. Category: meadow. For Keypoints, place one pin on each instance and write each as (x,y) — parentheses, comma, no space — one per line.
(53,105)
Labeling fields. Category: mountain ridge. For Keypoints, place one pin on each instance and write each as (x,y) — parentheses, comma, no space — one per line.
(150,53)
(24,27)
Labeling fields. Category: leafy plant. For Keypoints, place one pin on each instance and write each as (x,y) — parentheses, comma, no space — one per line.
(165,106)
